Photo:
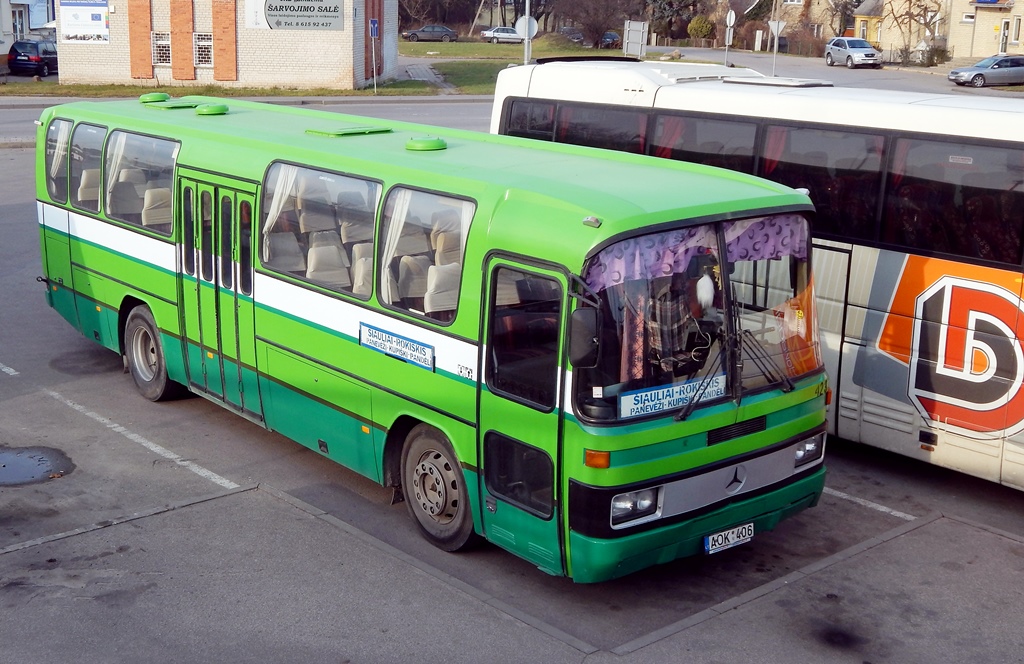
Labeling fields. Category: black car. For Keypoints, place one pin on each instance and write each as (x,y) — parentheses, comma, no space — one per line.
(431,33)
(32,58)
(610,40)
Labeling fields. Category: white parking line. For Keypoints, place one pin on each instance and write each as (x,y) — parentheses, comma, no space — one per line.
(148,444)
(8,370)
(870,505)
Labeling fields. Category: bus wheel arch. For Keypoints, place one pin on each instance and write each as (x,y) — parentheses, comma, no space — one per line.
(144,355)
(435,489)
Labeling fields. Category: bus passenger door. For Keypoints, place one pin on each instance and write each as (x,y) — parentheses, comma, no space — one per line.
(218,326)
(520,418)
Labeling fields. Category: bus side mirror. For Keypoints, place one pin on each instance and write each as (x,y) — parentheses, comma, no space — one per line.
(583,346)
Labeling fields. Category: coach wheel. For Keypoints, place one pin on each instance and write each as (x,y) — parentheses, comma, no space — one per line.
(435,490)
(978,81)
(145,356)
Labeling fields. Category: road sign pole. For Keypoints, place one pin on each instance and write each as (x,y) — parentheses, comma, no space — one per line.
(527,44)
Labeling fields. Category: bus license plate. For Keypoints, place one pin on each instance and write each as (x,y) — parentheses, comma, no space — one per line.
(728,538)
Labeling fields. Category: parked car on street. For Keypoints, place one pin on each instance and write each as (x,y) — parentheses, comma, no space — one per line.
(35,58)
(852,52)
(994,70)
(572,34)
(610,40)
(439,33)
(501,34)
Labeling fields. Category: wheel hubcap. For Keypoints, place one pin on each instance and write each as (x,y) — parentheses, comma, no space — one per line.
(435,487)
(144,354)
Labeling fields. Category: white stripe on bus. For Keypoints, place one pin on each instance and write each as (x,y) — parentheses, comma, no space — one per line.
(124,241)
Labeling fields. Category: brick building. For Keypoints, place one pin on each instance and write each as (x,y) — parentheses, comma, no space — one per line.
(229,43)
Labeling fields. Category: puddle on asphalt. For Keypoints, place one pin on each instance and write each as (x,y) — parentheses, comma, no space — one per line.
(30,465)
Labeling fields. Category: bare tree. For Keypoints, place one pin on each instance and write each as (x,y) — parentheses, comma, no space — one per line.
(916,21)
(839,13)
(595,17)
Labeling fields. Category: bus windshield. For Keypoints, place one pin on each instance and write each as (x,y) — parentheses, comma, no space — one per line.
(674,307)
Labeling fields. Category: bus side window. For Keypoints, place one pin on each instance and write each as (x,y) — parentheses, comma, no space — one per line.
(424,236)
(57,137)
(188,245)
(226,209)
(86,153)
(520,473)
(245,248)
(137,189)
(532,119)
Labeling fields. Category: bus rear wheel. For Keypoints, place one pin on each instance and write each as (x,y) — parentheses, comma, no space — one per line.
(145,355)
(435,489)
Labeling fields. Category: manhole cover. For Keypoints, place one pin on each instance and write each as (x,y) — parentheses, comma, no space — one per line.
(28,465)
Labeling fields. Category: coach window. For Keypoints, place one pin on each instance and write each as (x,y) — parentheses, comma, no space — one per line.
(956,198)
(138,180)
(226,208)
(532,119)
(57,137)
(245,248)
(722,143)
(318,226)
(842,170)
(424,235)
(602,128)
(188,247)
(86,155)
(206,235)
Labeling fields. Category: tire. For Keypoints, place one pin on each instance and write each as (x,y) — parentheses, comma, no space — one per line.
(828,59)
(413,38)
(145,356)
(978,81)
(44,70)
(494,40)
(435,490)
(446,39)
(849,62)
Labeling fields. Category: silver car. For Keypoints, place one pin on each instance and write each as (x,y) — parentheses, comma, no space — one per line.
(995,70)
(501,35)
(852,52)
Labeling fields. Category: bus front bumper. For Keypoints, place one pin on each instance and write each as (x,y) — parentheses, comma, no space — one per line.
(593,560)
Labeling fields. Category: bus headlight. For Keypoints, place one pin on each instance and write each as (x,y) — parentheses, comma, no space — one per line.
(634,505)
(809,450)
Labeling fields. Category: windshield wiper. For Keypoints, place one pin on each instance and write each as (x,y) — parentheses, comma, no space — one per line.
(767,365)
(705,381)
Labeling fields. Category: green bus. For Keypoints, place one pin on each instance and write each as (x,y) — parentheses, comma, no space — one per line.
(597,361)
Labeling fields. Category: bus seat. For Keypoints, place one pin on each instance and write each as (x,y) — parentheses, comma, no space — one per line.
(327,265)
(412,280)
(448,249)
(310,190)
(89,188)
(442,294)
(156,207)
(285,254)
(356,225)
(412,241)
(125,203)
(136,176)
(506,291)
(362,271)
(321,238)
(316,216)
(445,221)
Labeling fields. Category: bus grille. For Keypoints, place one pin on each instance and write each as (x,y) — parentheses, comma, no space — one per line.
(745,428)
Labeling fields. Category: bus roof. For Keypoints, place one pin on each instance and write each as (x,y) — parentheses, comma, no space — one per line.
(571,183)
(745,92)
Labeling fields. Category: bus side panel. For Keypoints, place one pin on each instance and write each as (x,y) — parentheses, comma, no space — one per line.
(322,410)
(56,253)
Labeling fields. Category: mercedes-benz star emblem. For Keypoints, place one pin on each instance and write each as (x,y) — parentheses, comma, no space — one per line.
(739,478)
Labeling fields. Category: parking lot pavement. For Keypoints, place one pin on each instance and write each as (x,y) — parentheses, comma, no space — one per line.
(938,589)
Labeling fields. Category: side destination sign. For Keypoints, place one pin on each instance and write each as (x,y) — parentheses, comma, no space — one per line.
(656,400)
(398,346)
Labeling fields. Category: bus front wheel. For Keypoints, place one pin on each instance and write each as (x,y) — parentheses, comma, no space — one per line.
(145,356)
(435,489)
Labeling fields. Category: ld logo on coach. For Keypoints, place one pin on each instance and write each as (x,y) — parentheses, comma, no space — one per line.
(967,364)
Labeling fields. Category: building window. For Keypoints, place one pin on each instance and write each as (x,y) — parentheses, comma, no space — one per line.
(968,18)
(202,49)
(1016,29)
(816,30)
(792,2)
(161,43)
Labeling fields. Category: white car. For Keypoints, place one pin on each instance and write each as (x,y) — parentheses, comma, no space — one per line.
(501,35)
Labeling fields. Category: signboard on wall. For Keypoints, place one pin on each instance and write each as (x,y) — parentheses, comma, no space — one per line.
(294,14)
(84,21)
